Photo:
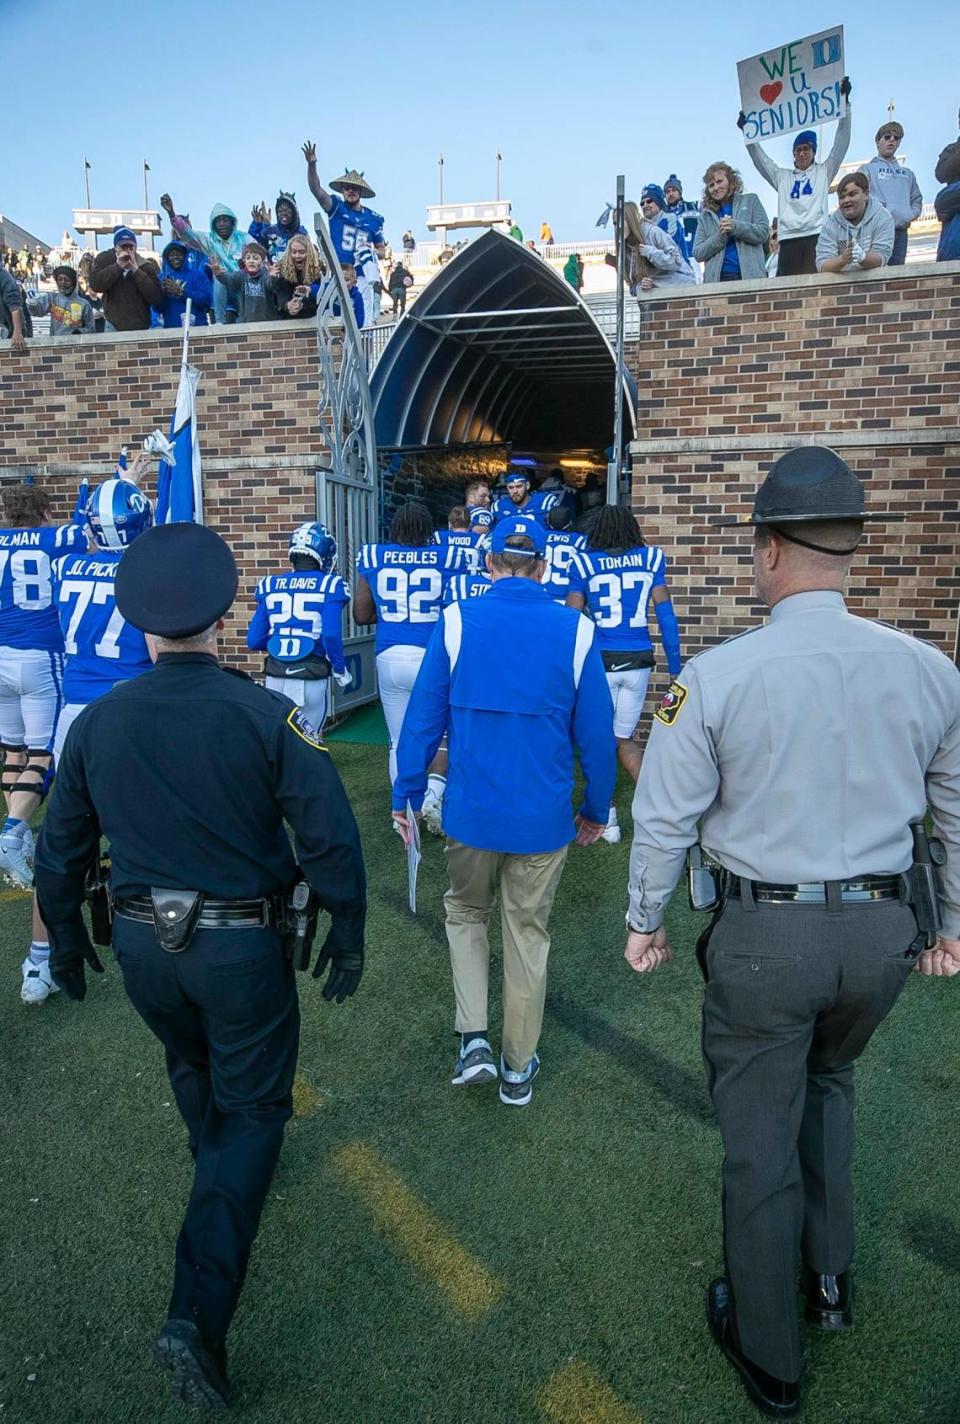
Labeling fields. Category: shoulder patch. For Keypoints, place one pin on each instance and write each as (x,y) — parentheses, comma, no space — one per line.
(298,723)
(671,704)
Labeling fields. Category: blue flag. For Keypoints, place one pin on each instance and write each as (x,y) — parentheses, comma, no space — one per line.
(179,487)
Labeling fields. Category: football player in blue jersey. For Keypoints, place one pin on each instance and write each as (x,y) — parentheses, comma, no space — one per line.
(299,623)
(477,501)
(31,691)
(465,586)
(562,543)
(400,588)
(101,648)
(457,535)
(616,578)
(31,664)
(349,221)
(519,499)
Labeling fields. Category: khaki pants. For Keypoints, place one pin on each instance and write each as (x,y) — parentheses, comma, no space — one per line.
(528,884)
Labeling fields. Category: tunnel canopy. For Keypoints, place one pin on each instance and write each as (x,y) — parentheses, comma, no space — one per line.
(498,348)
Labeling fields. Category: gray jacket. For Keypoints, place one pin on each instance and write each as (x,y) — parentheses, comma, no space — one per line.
(874,232)
(751,228)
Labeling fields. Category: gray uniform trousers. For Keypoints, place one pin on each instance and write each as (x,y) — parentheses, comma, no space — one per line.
(793,996)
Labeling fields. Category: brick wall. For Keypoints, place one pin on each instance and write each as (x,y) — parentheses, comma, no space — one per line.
(728,376)
(732,374)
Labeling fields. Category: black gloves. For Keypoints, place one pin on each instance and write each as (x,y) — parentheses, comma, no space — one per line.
(741,120)
(346,969)
(67,961)
(845,87)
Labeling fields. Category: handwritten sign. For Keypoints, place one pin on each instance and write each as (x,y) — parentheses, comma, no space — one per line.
(794,86)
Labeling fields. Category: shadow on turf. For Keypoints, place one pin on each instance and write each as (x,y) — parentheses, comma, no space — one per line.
(684,1090)
(934,1238)
(427,920)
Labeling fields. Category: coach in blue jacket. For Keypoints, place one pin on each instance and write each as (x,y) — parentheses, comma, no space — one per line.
(518,683)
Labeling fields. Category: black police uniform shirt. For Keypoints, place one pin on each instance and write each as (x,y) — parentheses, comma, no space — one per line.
(190,771)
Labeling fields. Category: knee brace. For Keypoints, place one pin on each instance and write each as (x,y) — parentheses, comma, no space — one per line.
(36,776)
(14,761)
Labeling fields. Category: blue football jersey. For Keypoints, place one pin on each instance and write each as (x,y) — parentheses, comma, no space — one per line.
(102,648)
(562,544)
(459,539)
(481,519)
(617,589)
(538,506)
(28,618)
(464,586)
(346,225)
(300,615)
(407,587)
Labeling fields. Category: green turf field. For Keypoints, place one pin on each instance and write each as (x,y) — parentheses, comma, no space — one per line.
(429,1256)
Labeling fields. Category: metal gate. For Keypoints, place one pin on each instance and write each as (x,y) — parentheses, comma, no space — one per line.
(346,486)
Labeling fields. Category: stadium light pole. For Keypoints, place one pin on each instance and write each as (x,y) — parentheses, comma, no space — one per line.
(613,468)
(146,198)
(499,161)
(440,167)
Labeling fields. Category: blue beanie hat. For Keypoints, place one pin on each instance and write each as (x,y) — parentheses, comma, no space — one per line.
(673,182)
(123,234)
(807,136)
(656,193)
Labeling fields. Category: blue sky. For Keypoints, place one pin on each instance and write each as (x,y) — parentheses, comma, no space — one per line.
(219,99)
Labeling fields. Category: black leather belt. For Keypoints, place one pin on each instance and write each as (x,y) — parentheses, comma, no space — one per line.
(816,892)
(215,915)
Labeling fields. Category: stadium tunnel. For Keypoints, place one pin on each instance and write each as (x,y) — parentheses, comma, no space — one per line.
(498,358)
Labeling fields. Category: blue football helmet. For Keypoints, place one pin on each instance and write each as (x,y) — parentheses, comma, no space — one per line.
(117,511)
(316,542)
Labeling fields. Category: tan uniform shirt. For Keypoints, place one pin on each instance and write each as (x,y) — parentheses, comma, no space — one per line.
(807,746)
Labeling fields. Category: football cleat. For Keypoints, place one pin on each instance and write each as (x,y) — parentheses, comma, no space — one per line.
(14,865)
(37,985)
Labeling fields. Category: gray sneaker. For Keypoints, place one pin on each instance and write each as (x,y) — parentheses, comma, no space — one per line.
(14,865)
(516,1089)
(475,1064)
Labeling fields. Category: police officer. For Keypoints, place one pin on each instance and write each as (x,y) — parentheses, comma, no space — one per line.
(811,747)
(190,771)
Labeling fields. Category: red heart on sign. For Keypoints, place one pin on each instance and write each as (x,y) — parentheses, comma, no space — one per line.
(769,92)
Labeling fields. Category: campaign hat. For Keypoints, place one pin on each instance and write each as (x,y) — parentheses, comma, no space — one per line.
(176,580)
(809,484)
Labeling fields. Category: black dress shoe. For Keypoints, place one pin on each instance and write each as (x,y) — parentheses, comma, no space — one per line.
(198,1370)
(774,1397)
(828,1300)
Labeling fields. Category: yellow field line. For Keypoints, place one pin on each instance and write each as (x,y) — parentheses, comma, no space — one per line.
(306,1099)
(415,1231)
(577,1395)
(7,895)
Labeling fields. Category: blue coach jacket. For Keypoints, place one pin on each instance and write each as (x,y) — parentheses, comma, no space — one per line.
(518,683)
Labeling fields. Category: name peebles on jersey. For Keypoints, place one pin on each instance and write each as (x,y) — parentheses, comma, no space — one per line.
(407,585)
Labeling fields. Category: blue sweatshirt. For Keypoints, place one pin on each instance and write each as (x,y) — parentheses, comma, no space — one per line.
(511,670)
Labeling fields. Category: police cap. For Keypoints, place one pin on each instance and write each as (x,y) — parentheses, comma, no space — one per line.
(808,485)
(176,580)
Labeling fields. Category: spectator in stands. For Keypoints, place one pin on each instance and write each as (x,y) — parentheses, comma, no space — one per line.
(298,279)
(948,164)
(653,258)
(546,234)
(356,301)
(348,219)
(516,232)
(129,283)
(180,281)
(251,288)
(733,228)
(947,204)
(894,188)
(860,234)
(70,313)
(573,271)
(39,264)
(398,284)
(531,246)
(686,212)
(84,268)
(223,244)
(14,317)
(409,242)
(803,191)
(773,254)
(369,282)
(275,236)
(653,204)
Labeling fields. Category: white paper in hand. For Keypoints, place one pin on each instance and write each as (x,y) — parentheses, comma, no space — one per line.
(413,857)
